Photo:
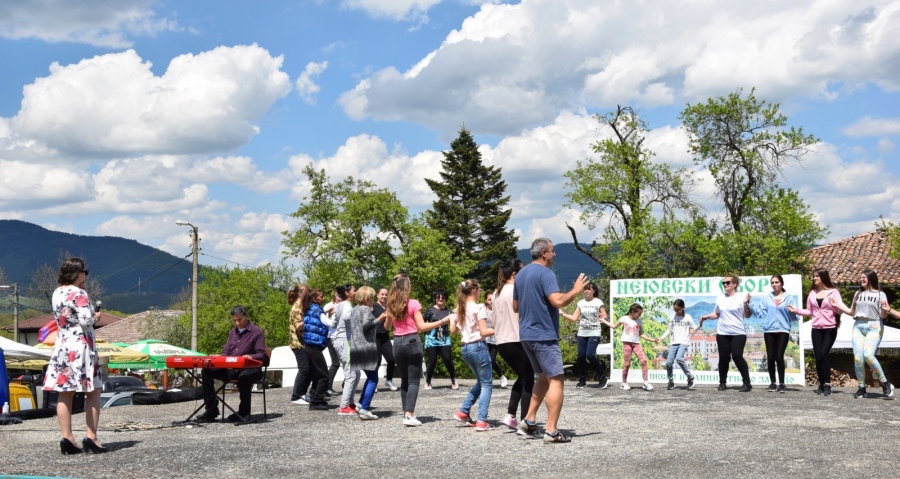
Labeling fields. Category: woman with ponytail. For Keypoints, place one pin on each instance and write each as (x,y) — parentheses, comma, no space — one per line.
(471,322)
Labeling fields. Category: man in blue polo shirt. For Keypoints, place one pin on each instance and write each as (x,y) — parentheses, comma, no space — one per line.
(537,299)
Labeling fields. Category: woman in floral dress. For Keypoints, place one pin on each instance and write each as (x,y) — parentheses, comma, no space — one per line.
(74,365)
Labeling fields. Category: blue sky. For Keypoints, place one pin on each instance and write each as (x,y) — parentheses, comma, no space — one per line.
(119,118)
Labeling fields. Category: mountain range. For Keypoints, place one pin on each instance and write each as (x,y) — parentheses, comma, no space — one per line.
(136,277)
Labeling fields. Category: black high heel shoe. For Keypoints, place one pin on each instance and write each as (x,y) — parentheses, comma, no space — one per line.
(91,447)
(67,447)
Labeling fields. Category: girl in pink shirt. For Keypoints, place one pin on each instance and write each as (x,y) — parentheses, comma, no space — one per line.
(825,321)
(405,316)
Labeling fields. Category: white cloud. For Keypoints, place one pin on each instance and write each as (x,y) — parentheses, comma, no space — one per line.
(514,66)
(25,186)
(305,84)
(95,22)
(113,105)
(393,9)
(868,126)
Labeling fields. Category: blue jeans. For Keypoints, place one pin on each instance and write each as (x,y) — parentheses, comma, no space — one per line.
(368,390)
(478,359)
(676,354)
(587,351)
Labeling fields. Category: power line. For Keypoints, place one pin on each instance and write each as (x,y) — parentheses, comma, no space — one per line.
(223,259)
(133,264)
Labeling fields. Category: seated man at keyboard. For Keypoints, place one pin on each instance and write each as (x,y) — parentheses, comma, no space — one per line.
(245,339)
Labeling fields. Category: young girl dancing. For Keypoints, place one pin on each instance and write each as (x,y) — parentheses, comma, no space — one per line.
(632,334)
(471,321)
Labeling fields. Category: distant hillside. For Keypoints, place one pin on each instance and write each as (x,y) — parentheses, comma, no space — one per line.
(569,263)
(119,263)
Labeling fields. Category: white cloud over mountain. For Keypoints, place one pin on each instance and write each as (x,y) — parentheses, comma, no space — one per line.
(513,66)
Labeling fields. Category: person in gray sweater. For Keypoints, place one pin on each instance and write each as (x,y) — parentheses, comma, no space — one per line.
(364,353)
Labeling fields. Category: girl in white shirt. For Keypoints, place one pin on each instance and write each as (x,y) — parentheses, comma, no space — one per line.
(868,328)
(731,337)
(632,334)
(471,322)
(680,327)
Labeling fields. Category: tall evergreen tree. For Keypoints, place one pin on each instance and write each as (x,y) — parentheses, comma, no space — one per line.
(471,209)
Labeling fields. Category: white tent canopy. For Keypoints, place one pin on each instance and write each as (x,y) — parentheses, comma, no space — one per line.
(18,351)
(891,338)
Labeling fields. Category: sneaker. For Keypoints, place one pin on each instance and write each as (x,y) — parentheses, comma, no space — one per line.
(722,387)
(346,411)
(483,426)
(625,386)
(782,389)
(690,383)
(365,415)
(304,401)
(860,393)
(503,381)
(454,385)
(411,421)
(428,386)
(820,389)
(745,388)
(772,388)
(604,383)
(557,438)
(235,417)
(510,421)
(355,407)
(827,391)
(390,384)
(581,384)
(318,406)
(207,417)
(462,417)
(331,393)
(887,388)
(670,386)
(524,429)
(647,386)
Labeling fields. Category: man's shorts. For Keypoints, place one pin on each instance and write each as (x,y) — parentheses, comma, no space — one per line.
(545,357)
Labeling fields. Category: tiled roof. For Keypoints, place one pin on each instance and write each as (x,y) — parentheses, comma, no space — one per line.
(846,259)
(35,324)
(133,328)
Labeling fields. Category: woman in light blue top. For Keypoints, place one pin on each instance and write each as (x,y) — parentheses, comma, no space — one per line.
(776,328)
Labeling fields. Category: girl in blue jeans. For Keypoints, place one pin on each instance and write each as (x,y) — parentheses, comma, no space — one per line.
(471,322)
(680,327)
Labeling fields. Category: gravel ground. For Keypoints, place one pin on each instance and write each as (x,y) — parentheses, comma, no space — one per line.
(616,434)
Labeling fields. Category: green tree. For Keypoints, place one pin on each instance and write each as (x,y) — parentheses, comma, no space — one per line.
(430,262)
(471,209)
(345,231)
(622,188)
(262,290)
(697,363)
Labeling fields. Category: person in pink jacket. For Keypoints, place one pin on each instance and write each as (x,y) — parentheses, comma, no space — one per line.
(825,320)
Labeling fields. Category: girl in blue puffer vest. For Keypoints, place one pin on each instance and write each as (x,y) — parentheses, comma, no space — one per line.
(315,334)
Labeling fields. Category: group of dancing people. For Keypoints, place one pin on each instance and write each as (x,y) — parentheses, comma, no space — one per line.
(357,322)
(519,320)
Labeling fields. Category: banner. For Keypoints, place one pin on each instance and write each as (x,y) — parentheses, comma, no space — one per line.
(699,295)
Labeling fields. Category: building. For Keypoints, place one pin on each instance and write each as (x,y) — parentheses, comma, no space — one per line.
(135,327)
(846,259)
(30,329)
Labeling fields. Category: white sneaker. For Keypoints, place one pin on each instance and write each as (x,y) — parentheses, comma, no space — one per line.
(300,402)
(367,415)
(503,381)
(390,384)
(510,421)
(648,386)
(411,421)
(625,386)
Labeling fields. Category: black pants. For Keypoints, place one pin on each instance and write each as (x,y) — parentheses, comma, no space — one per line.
(823,340)
(245,379)
(732,348)
(301,380)
(432,362)
(335,364)
(409,364)
(492,351)
(318,372)
(383,342)
(776,345)
(515,357)
(587,351)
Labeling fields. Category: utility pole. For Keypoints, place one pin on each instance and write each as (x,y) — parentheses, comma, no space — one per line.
(196,252)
